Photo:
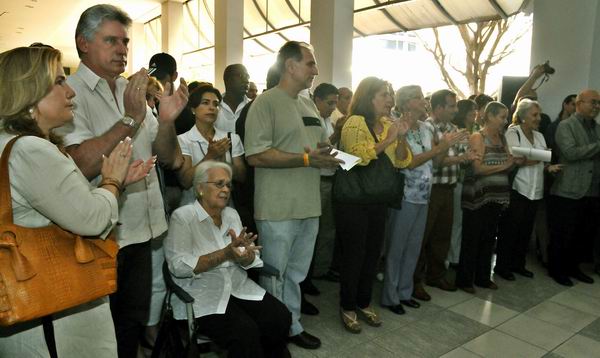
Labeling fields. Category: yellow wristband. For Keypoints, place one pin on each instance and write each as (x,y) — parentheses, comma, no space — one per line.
(306,161)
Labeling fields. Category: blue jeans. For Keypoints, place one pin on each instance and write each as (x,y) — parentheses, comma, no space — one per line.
(288,246)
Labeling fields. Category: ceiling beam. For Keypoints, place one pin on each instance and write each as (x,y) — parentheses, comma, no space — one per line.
(262,14)
(499,9)
(444,11)
(389,16)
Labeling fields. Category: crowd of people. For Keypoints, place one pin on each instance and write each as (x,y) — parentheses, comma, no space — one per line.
(86,157)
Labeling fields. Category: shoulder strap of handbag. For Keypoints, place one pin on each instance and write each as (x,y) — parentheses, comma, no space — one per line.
(6,215)
(372,132)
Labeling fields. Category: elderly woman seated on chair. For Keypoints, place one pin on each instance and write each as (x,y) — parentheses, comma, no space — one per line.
(208,251)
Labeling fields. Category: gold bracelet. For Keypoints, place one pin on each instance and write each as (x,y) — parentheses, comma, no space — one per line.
(112,181)
(306,160)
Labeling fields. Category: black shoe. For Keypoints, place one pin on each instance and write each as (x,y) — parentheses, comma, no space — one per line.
(308,308)
(410,303)
(524,272)
(580,276)
(563,280)
(305,340)
(397,309)
(507,275)
(309,288)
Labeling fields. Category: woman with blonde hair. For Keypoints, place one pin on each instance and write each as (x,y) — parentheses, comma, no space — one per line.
(47,187)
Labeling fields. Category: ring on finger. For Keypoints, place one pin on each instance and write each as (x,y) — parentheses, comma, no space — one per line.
(123,155)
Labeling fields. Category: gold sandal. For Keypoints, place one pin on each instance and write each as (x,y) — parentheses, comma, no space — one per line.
(370,316)
(350,324)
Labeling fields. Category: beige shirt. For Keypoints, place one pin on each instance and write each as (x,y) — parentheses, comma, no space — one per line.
(278,121)
(46,186)
(142,215)
(192,233)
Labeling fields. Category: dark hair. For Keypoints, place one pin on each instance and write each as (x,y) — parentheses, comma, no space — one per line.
(230,70)
(324,90)
(165,65)
(196,95)
(438,98)
(92,18)
(464,107)
(482,100)
(291,49)
(273,76)
(362,101)
(567,99)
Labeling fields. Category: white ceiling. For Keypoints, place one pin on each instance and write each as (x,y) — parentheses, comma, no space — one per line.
(53,22)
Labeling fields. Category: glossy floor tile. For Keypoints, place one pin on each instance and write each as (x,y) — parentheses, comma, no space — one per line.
(524,318)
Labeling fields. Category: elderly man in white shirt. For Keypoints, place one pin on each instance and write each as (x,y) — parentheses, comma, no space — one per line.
(108,108)
(234,100)
(208,251)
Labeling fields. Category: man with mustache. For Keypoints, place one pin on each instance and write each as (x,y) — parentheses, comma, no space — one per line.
(108,108)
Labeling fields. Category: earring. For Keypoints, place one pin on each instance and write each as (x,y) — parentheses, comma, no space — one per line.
(31,111)
(201,193)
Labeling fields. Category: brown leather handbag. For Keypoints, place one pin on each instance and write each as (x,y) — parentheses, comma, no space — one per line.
(46,270)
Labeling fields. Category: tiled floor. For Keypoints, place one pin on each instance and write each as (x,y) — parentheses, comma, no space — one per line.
(524,318)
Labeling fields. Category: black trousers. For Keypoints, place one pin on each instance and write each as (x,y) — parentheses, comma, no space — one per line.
(251,329)
(573,225)
(479,232)
(516,226)
(130,305)
(361,228)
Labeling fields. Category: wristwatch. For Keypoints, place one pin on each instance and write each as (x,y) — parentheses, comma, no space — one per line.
(130,122)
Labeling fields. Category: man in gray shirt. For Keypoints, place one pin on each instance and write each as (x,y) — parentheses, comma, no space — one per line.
(287,145)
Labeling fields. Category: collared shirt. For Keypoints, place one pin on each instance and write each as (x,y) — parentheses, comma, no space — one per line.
(227,117)
(142,214)
(328,127)
(529,180)
(335,115)
(444,174)
(192,233)
(417,181)
(195,146)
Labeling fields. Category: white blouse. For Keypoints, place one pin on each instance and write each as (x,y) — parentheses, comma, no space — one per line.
(195,146)
(46,186)
(192,234)
(529,180)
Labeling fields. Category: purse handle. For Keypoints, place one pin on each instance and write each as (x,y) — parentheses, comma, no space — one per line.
(6,215)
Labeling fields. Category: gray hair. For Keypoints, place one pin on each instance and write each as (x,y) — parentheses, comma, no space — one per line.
(523,108)
(405,94)
(201,171)
(92,18)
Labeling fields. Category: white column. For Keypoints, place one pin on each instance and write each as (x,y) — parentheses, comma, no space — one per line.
(568,34)
(229,34)
(331,32)
(171,23)
(136,57)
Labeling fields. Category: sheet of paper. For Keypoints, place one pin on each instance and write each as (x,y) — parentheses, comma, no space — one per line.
(349,159)
(532,154)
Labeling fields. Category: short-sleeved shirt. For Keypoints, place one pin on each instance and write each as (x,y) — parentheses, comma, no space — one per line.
(141,211)
(418,181)
(194,145)
(277,120)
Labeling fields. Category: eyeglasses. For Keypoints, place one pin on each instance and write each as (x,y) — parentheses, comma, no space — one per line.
(220,184)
